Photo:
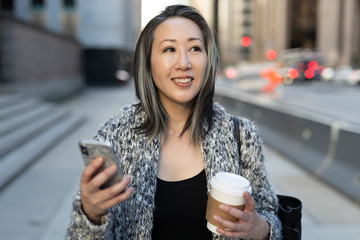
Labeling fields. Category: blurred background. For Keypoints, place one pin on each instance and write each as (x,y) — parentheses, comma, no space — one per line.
(291,66)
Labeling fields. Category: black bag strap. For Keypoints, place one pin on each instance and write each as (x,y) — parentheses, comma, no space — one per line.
(237,133)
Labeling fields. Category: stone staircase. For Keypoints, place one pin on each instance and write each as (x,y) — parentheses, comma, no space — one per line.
(28,129)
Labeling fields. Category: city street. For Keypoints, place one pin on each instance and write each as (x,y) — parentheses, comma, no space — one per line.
(328,99)
(37,204)
(292,67)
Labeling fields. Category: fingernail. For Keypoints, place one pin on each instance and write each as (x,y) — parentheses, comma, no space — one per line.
(126,178)
(222,206)
(112,169)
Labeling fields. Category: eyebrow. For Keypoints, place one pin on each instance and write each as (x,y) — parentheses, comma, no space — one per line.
(174,40)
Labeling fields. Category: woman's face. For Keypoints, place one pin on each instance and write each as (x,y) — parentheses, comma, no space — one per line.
(178,61)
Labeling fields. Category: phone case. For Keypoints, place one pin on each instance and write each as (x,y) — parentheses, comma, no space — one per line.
(91,149)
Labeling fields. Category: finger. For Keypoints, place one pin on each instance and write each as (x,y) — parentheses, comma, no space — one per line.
(249,203)
(119,198)
(119,187)
(103,176)
(237,213)
(233,226)
(90,169)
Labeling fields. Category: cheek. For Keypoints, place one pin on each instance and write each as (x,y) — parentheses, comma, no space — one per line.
(154,69)
(160,67)
(203,67)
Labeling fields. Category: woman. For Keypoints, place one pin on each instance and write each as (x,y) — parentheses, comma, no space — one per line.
(172,143)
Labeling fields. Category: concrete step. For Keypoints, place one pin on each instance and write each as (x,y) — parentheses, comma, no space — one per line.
(12,164)
(28,129)
(7,99)
(24,133)
(17,106)
(11,123)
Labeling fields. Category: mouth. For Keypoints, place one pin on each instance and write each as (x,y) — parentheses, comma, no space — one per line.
(182,80)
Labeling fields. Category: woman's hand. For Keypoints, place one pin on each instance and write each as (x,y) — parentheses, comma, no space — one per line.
(96,201)
(250,224)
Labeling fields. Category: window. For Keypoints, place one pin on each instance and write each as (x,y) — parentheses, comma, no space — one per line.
(6,5)
(37,4)
(69,4)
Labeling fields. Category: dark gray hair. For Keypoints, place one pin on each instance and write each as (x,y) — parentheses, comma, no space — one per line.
(147,92)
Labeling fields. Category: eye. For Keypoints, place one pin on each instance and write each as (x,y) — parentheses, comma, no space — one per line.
(196,49)
(169,49)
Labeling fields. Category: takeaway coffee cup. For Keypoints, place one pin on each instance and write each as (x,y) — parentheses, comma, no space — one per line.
(226,188)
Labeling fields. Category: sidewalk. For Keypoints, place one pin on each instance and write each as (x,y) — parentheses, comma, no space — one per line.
(327,214)
(37,205)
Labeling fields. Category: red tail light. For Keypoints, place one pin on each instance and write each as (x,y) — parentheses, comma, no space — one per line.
(293,73)
(309,73)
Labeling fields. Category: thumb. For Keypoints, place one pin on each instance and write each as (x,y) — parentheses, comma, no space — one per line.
(249,202)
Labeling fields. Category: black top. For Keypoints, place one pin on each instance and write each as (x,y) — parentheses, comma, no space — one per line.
(180,209)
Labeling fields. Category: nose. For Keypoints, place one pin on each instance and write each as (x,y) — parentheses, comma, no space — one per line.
(183,61)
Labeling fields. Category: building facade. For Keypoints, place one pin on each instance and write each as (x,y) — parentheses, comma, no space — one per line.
(36,59)
(329,26)
(104,36)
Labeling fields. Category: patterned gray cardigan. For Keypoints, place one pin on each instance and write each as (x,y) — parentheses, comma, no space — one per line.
(138,156)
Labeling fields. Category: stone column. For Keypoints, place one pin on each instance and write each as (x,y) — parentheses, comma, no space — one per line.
(283,30)
(328,38)
(53,9)
(22,9)
(348,32)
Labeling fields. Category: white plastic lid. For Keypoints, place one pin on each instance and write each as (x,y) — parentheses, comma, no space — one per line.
(230,183)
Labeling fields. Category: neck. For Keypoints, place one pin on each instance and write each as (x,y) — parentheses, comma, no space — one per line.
(177,120)
(178,115)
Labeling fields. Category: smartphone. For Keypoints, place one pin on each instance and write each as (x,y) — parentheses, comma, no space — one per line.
(91,149)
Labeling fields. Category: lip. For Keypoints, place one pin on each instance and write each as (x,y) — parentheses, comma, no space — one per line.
(183,81)
(182,77)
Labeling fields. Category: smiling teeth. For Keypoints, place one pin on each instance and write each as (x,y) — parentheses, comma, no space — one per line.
(182,80)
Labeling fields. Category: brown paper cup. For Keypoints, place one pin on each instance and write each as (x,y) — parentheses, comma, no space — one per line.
(226,188)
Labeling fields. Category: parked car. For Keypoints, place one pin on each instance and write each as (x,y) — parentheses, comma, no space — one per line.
(301,65)
(342,75)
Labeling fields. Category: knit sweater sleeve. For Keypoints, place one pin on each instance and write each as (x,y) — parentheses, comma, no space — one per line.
(252,164)
(81,228)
